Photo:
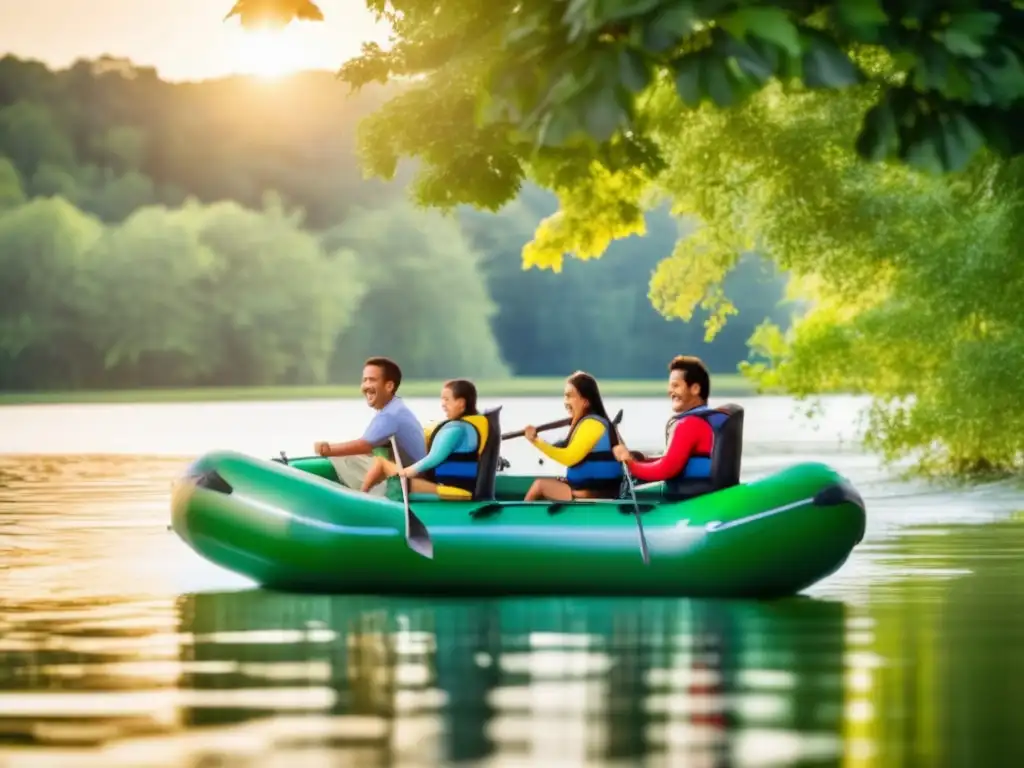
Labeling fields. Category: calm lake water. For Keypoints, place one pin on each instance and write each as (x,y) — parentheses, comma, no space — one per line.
(121,647)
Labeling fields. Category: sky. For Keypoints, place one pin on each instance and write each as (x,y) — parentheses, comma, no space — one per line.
(183,39)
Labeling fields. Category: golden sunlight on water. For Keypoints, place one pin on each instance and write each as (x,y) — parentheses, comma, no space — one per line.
(121,648)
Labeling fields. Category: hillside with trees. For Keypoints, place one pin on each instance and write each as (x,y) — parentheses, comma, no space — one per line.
(222,233)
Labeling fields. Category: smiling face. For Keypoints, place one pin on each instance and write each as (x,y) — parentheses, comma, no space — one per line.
(376,391)
(452,406)
(575,403)
(683,396)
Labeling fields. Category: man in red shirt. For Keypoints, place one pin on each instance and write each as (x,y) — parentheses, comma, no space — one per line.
(689,437)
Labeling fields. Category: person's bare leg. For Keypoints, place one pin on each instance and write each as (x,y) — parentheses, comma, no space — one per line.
(378,471)
(419,485)
(549,489)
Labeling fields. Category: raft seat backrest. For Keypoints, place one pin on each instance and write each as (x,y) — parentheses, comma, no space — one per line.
(490,456)
(727,454)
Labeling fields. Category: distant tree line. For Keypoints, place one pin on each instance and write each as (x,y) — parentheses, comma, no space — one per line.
(158,234)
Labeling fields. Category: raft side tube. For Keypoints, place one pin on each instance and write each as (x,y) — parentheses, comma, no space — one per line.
(843,492)
(290,530)
(775,557)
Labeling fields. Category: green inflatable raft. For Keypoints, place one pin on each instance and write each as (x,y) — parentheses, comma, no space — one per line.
(288,524)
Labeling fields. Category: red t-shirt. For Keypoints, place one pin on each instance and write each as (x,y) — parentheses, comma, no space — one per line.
(691,435)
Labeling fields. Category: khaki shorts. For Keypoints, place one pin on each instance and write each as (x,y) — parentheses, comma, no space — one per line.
(352,469)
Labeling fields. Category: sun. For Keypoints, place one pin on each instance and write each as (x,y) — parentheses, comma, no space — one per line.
(268,53)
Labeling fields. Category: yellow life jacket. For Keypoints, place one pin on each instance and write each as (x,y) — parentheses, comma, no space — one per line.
(462,467)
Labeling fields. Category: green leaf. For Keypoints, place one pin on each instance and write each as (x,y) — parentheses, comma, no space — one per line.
(615,10)
(962,43)
(1000,77)
(526,27)
(932,67)
(977,24)
(861,15)
(717,83)
(665,29)
(968,32)
(751,62)
(995,127)
(920,137)
(601,113)
(556,127)
(771,24)
(958,86)
(687,71)
(878,133)
(768,52)
(826,65)
(634,71)
(959,140)
(579,17)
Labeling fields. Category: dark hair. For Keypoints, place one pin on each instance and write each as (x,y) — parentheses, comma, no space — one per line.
(586,385)
(390,368)
(463,389)
(694,372)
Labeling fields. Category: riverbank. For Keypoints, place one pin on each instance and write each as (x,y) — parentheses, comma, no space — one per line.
(723,385)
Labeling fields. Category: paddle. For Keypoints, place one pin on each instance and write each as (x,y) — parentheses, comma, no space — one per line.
(552,425)
(545,427)
(542,428)
(506,436)
(644,553)
(416,535)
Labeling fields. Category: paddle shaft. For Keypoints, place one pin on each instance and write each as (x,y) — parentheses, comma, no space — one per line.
(552,425)
(542,428)
(644,552)
(547,427)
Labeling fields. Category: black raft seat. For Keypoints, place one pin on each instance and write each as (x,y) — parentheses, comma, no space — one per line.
(727,452)
(486,478)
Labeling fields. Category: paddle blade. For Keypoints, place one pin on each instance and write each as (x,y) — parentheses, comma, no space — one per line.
(644,552)
(417,536)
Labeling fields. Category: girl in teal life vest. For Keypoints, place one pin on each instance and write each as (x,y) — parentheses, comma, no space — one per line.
(452,464)
(593,472)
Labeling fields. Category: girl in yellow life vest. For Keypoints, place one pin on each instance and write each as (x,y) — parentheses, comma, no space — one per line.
(593,471)
(452,463)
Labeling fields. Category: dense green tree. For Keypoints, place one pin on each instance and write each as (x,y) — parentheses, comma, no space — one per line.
(198,295)
(155,325)
(138,143)
(107,122)
(52,181)
(502,83)
(427,302)
(279,303)
(911,279)
(31,137)
(598,316)
(47,298)
(113,198)
(12,191)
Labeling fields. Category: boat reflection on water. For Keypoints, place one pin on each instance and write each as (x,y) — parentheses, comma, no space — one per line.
(389,681)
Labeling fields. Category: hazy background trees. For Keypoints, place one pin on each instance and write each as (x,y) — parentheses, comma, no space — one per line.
(222,233)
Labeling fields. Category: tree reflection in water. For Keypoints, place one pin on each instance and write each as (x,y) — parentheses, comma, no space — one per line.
(561,680)
(922,671)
